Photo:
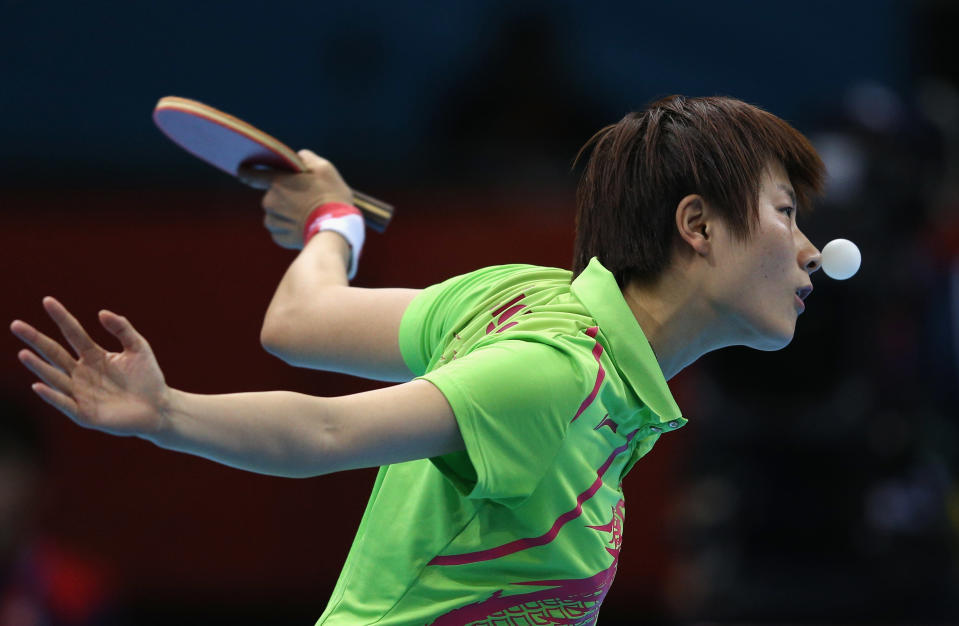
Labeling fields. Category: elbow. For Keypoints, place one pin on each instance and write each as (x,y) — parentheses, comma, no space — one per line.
(293,335)
(276,337)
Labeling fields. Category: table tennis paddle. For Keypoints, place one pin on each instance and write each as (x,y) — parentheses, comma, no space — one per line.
(229,143)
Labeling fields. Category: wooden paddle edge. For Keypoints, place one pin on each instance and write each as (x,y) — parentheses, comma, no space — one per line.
(377,213)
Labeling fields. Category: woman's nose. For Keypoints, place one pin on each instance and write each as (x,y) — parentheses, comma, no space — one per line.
(810,258)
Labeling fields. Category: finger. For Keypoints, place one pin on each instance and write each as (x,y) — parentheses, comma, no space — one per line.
(280,204)
(70,327)
(286,241)
(276,201)
(256,177)
(279,217)
(49,374)
(279,231)
(277,226)
(60,401)
(46,347)
(270,201)
(121,328)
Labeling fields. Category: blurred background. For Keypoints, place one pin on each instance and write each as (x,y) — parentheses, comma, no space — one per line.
(812,485)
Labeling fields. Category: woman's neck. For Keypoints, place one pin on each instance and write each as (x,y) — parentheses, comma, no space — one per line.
(677,320)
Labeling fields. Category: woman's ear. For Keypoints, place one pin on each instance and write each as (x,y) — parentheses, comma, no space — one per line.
(693,223)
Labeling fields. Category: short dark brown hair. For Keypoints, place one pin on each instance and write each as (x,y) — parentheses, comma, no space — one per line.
(641,167)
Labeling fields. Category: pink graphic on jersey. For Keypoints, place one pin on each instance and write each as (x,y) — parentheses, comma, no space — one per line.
(531,542)
(505,312)
(600,375)
(573,602)
(607,422)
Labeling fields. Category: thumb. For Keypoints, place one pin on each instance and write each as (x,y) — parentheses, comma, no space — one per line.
(313,161)
(121,328)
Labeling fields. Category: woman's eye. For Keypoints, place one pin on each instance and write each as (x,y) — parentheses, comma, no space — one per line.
(788,210)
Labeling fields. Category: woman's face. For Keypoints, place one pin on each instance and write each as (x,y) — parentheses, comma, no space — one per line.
(762,282)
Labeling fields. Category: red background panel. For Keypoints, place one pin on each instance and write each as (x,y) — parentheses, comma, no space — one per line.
(194,272)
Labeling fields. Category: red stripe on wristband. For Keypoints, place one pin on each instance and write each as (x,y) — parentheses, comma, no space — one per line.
(330,209)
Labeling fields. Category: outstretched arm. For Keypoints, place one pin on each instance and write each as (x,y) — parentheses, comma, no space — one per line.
(279,433)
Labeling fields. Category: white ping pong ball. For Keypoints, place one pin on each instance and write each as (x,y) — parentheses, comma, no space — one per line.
(840,259)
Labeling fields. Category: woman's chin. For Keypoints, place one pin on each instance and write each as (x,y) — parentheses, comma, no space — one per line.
(771,341)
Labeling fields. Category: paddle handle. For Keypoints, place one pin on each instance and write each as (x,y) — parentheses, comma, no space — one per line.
(376,213)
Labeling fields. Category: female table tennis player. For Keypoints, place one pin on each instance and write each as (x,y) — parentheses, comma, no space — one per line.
(530,391)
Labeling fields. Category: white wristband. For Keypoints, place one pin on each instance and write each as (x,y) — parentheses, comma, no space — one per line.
(343,219)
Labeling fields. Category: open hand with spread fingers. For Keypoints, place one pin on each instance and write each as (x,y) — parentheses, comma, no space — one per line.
(120,393)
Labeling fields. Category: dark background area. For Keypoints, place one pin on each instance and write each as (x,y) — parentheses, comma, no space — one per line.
(816,484)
